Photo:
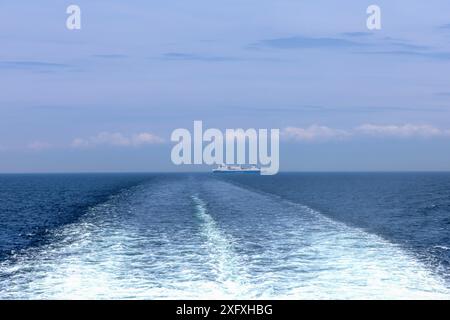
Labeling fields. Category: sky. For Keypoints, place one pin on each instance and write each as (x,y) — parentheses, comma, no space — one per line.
(108,96)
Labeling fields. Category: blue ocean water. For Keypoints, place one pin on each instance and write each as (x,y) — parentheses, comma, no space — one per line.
(160,236)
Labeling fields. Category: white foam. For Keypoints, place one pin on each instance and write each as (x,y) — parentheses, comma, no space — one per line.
(229,270)
(308,256)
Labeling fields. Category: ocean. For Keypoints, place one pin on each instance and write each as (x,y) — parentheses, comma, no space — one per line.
(193,236)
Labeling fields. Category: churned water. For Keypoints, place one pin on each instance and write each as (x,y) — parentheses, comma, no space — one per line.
(189,236)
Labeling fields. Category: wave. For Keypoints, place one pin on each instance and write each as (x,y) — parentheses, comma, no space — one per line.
(228,268)
(204,238)
(308,255)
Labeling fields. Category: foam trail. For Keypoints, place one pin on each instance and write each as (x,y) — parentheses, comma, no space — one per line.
(298,253)
(161,242)
(133,246)
(228,267)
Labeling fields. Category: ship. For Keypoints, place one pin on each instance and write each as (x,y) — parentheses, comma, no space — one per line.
(222,168)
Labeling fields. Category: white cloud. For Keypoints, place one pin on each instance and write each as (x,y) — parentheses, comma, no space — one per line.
(145,138)
(39,145)
(314,133)
(117,139)
(324,133)
(403,131)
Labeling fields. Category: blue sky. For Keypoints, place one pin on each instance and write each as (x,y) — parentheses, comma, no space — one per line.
(107,97)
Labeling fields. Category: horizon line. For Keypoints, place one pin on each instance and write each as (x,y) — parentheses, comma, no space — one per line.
(203,172)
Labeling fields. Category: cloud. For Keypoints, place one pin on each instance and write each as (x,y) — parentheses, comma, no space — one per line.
(117,139)
(436,55)
(402,131)
(319,133)
(313,133)
(196,57)
(357,43)
(110,56)
(357,34)
(39,146)
(402,47)
(33,65)
(406,46)
(145,138)
(303,42)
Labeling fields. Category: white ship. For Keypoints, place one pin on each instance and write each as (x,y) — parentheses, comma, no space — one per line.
(222,168)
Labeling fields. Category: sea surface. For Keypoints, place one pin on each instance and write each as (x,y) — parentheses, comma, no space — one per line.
(192,236)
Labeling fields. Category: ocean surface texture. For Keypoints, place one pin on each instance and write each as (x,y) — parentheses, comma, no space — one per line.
(188,236)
